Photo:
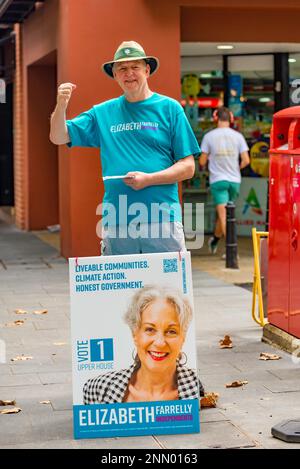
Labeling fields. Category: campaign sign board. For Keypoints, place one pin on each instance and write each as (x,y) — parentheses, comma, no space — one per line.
(133,345)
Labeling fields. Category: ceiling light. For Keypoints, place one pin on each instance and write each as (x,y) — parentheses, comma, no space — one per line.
(292,60)
(205,75)
(224,46)
(264,100)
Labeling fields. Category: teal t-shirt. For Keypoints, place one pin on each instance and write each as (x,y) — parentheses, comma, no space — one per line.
(148,136)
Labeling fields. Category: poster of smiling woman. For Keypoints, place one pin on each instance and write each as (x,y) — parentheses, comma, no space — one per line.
(133,345)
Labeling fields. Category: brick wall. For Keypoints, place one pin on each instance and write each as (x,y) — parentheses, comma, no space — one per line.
(19,162)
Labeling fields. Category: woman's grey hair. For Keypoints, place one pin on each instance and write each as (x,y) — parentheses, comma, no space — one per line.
(147,295)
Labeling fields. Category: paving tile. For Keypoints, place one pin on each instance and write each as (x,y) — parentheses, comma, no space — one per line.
(18,380)
(4,369)
(15,302)
(10,336)
(25,328)
(47,336)
(55,302)
(14,428)
(282,386)
(211,415)
(147,442)
(258,424)
(27,429)
(5,317)
(220,434)
(48,324)
(31,367)
(284,374)
(38,392)
(62,403)
(55,378)
(225,291)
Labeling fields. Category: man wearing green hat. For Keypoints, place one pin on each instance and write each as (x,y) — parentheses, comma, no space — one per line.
(147,147)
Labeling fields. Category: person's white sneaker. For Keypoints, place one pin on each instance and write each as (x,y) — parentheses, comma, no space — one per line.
(212,247)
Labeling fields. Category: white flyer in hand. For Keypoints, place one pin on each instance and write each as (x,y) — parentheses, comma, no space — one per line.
(105,178)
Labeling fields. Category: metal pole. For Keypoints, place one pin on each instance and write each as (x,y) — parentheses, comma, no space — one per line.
(231,237)
(225,78)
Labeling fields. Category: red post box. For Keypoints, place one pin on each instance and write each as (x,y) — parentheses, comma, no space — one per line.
(284,222)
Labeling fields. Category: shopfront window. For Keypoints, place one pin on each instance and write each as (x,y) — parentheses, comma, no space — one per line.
(251,99)
(294,74)
(202,90)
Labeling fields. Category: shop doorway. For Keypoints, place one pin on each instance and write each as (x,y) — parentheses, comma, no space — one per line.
(254,80)
(6,149)
(43,155)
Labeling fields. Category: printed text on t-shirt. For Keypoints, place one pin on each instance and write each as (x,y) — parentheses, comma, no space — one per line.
(134,126)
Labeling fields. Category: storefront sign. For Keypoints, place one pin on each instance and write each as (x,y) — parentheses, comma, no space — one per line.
(133,338)
(251,205)
(202,102)
(208,102)
(259,158)
(235,85)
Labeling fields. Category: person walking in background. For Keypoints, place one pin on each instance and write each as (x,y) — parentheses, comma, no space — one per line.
(226,151)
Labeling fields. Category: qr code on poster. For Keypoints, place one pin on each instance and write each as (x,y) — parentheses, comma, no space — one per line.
(170,265)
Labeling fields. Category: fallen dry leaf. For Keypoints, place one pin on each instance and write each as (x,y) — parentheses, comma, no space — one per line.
(268,356)
(3,403)
(209,399)
(21,311)
(226,342)
(59,343)
(21,358)
(14,410)
(40,311)
(45,402)
(19,322)
(236,384)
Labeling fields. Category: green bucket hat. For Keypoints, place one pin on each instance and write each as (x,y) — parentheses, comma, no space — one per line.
(130,50)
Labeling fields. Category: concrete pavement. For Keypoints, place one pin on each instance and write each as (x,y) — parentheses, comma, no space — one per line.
(34,277)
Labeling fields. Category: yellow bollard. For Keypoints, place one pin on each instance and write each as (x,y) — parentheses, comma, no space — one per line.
(257,290)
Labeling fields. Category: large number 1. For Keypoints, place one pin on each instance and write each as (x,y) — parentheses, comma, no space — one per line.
(101,346)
